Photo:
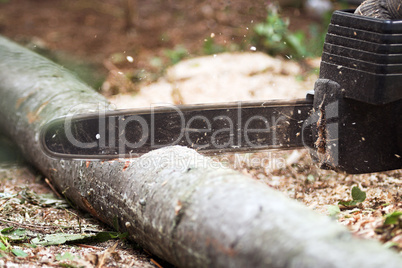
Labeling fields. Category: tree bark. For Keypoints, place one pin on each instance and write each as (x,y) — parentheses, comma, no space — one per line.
(177,204)
(381,9)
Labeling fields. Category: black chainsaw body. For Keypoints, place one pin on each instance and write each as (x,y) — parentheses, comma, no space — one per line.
(358,96)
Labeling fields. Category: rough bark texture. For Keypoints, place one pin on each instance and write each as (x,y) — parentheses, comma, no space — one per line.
(174,202)
(381,9)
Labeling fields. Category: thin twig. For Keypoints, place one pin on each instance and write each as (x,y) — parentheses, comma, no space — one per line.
(53,189)
(106,255)
(157,264)
(36,227)
(89,246)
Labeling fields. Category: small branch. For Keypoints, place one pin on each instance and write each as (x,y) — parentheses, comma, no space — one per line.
(34,227)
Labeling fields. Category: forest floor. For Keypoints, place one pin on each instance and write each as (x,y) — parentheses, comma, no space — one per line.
(132,64)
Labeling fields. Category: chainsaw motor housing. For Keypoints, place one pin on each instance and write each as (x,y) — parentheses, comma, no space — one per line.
(358,96)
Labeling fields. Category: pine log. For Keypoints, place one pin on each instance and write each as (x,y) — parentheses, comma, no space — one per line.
(177,204)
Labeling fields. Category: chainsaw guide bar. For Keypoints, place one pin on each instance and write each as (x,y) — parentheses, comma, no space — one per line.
(208,128)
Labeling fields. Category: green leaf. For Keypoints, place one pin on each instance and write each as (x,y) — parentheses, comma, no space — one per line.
(67,256)
(100,237)
(30,245)
(210,47)
(358,195)
(50,200)
(43,200)
(105,236)
(7,230)
(6,195)
(62,238)
(350,203)
(296,45)
(274,37)
(390,244)
(2,246)
(14,234)
(3,239)
(119,235)
(123,235)
(57,239)
(177,54)
(333,210)
(310,178)
(392,218)
(19,252)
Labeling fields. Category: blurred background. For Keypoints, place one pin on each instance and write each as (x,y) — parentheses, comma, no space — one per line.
(142,38)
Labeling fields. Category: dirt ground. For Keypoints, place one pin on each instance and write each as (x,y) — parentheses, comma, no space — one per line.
(95,30)
(97,33)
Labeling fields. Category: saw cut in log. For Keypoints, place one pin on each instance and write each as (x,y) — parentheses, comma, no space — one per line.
(177,204)
(381,9)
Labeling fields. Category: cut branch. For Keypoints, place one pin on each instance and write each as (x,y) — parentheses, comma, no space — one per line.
(177,204)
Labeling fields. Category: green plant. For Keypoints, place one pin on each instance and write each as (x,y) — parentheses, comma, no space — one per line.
(271,34)
(358,196)
(6,247)
(210,47)
(315,42)
(333,211)
(274,37)
(67,256)
(177,54)
(393,218)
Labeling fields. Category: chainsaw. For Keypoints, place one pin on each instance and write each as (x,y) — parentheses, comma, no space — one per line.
(351,122)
